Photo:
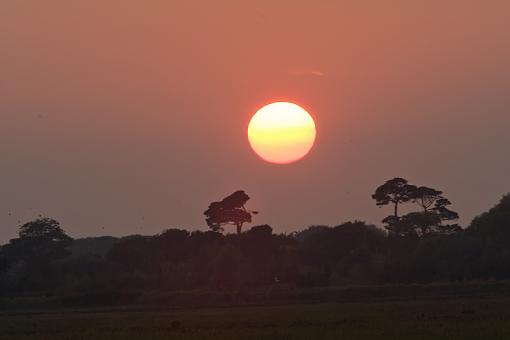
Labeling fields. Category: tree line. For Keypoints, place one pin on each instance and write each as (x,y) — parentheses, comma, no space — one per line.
(420,246)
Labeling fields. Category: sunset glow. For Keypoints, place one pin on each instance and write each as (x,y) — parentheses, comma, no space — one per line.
(281,132)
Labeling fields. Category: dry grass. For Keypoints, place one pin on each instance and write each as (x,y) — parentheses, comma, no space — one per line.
(463,319)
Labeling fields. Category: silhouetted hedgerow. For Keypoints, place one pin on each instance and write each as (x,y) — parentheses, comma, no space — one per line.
(257,262)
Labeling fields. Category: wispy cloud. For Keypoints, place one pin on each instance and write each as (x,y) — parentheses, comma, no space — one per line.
(307,73)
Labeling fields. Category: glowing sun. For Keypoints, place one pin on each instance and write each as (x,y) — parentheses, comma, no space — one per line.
(281,132)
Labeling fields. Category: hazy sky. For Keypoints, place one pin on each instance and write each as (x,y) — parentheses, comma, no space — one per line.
(121,117)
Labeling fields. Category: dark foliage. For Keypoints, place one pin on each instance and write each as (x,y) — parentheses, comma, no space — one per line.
(29,261)
(395,191)
(420,249)
(230,210)
(430,220)
(97,246)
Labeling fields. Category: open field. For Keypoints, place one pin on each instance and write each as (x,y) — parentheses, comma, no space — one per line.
(443,319)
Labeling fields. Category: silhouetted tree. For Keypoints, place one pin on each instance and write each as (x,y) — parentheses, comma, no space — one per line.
(346,252)
(425,197)
(496,221)
(428,197)
(40,239)
(395,191)
(260,249)
(230,210)
(417,224)
(413,224)
(133,253)
(445,214)
(40,243)
(424,247)
(261,231)
(171,247)
(488,237)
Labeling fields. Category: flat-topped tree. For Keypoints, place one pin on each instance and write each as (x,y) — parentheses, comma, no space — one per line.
(425,197)
(428,221)
(434,204)
(395,191)
(230,210)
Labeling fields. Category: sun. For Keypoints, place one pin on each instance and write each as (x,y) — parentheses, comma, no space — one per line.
(281,132)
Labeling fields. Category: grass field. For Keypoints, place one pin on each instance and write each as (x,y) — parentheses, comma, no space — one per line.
(451,319)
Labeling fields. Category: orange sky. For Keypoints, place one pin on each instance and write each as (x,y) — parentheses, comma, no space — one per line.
(131,116)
